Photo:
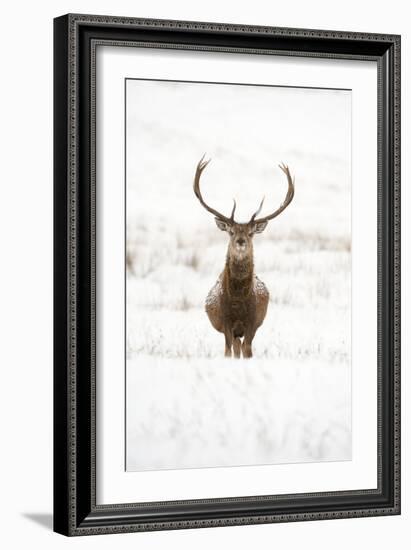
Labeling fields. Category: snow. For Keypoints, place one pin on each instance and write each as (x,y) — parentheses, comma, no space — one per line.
(188,406)
(213,297)
(200,414)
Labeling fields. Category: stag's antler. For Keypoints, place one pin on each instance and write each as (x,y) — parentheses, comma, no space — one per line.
(288,198)
(200,167)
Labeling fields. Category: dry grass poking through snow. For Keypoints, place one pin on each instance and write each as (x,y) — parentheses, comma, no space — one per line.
(190,407)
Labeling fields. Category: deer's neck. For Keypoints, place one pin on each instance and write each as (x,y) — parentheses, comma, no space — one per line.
(239,274)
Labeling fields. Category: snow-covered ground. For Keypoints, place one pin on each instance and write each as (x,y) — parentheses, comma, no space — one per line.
(199,414)
(187,406)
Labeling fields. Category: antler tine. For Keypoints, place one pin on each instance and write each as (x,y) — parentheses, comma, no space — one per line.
(233,210)
(257,211)
(288,198)
(200,167)
(203,163)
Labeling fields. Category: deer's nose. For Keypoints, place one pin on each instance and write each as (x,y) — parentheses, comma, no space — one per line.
(240,241)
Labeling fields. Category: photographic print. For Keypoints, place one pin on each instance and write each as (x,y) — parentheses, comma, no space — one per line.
(226,274)
(238,274)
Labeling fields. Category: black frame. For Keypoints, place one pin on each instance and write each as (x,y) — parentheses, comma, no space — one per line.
(75,40)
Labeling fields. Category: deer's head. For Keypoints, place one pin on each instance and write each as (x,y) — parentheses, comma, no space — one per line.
(241,234)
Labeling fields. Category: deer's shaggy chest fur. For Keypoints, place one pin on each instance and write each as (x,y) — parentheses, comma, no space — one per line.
(237,304)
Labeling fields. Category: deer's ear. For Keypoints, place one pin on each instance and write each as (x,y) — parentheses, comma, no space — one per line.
(259,227)
(222,225)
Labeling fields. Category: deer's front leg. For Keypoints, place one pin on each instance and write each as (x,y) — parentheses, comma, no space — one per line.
(247,345)
(228,343)
(247,350)
(237,348)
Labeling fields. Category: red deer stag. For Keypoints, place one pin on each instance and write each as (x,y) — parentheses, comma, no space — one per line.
(237,303)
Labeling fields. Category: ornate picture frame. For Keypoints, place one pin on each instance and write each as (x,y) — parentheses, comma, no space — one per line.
(76,40)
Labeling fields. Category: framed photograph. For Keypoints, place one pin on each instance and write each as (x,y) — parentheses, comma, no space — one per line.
(227,274)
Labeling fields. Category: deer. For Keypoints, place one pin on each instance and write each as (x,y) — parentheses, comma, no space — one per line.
(237,304)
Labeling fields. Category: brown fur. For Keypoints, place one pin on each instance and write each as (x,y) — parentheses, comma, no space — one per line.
(237,304)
